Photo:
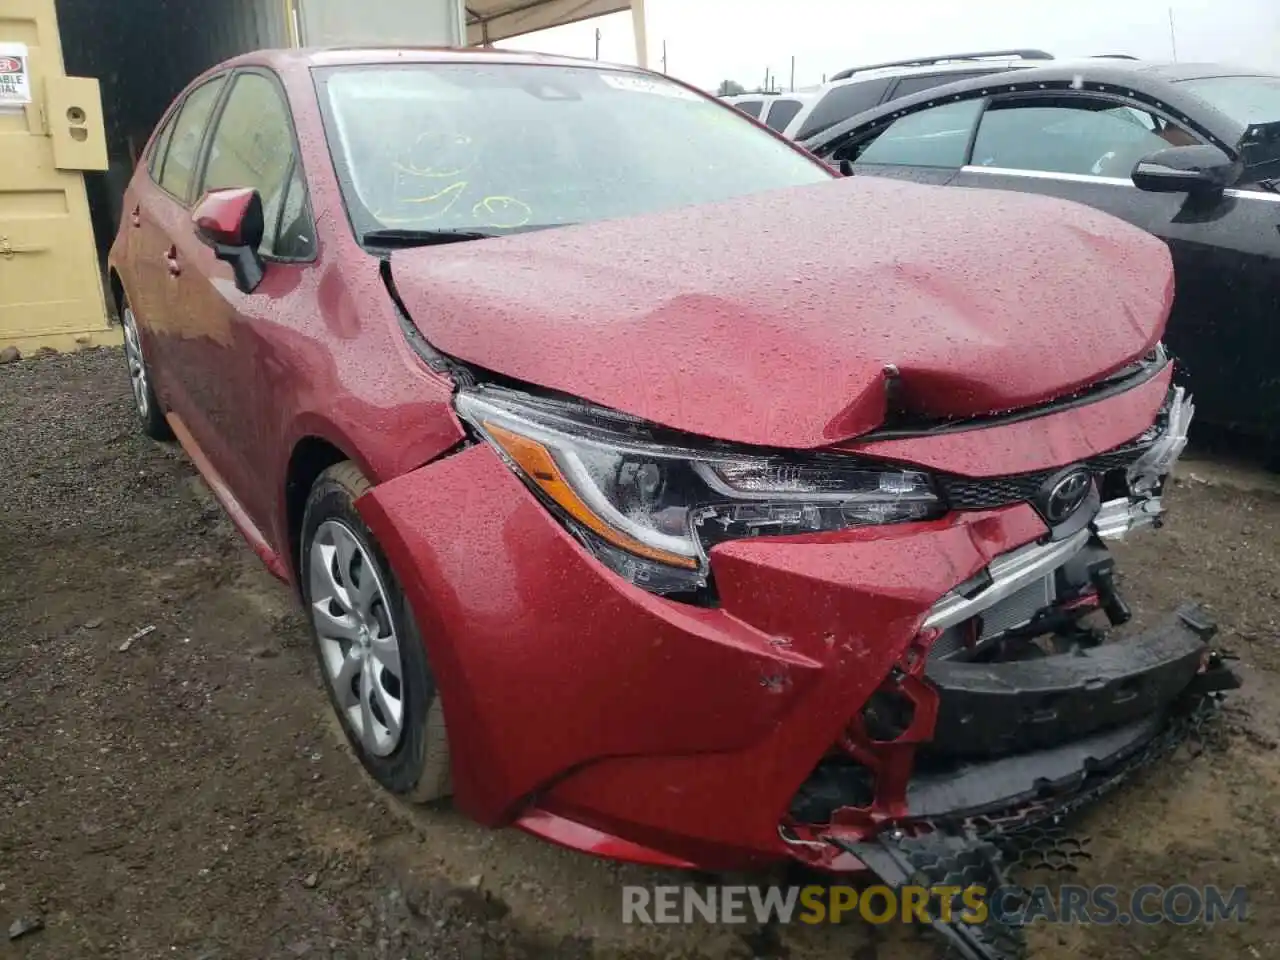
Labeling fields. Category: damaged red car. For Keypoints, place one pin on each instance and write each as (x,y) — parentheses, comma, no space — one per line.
(649,486)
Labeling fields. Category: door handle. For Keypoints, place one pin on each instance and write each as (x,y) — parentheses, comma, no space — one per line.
(171,258)
(136,216)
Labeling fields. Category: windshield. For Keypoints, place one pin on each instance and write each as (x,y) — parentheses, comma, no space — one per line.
(1245,99)
(488,148)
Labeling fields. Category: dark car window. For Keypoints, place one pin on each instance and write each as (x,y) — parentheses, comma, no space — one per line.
(937,137)
(252,146)
(499,147)
(781,113)
(751,108)
(296,239)
(188,133)
(841,103)
(1081,136)
(909,85)
(162,144)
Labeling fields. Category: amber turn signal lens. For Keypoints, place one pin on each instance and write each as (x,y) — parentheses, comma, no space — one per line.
(540,467)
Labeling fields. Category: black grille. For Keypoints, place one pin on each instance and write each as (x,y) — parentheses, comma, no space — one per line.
(988,493)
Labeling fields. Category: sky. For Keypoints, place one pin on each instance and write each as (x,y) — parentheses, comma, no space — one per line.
(712,40)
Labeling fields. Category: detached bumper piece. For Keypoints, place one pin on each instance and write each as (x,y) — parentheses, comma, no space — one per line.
(998,709)
(989,823)
(942,860)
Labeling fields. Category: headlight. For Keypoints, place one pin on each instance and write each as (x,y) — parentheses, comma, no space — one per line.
(651,506)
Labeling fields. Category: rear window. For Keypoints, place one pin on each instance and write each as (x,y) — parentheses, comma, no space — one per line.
(841,103)
(750,107)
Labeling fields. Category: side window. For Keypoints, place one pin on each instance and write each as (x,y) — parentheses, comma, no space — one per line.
(937,137)
(841,103)
(161,145)
(296,239)
(781,113)
(751,108)
(188,133)
(252,146)
(1077,136)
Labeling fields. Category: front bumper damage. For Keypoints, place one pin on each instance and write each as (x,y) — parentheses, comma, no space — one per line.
(1029,713)
(952,677)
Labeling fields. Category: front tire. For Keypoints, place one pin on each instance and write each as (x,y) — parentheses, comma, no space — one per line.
(145,405)
(371,655)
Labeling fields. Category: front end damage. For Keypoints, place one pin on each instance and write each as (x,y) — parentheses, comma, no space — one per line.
(874,696)
(1026,694)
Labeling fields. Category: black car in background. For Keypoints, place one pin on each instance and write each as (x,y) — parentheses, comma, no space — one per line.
(1189,152)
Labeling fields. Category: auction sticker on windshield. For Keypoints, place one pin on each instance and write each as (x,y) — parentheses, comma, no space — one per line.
(626,81)
(15,77)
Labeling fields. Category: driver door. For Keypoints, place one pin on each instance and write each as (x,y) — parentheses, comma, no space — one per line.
(232,336)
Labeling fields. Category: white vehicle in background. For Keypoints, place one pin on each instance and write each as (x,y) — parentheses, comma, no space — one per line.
(803,114)
(774,110)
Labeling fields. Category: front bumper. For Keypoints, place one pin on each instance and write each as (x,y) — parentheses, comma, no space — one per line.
(606,718)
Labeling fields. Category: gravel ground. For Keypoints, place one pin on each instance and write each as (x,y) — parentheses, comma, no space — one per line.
(186,795)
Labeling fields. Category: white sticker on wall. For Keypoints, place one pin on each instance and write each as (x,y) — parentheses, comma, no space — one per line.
(15,75)
(640,84)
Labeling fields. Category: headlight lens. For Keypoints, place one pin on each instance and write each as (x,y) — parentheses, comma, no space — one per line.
(651,509)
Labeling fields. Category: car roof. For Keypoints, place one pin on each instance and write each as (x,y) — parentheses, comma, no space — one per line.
(352,56)
(1155,80)
(928,70)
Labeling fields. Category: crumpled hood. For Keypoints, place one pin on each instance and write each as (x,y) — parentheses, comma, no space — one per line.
(770,319)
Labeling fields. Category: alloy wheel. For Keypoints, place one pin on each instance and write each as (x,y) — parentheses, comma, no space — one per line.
(137,368)
(359,647)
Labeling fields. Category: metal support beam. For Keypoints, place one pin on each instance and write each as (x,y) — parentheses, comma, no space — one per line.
(642,37)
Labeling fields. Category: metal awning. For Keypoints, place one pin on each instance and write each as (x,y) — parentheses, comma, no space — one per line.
(491,20)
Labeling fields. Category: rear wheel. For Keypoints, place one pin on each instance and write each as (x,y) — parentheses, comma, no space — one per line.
(154,425)
(370,652)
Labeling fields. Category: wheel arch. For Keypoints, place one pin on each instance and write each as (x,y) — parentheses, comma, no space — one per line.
(115,290)
(310,456)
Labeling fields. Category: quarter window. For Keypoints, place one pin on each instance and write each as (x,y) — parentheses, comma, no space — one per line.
(751,108)
(252,146)
(781,113)
(842,102)
(1098,138)
(188,132)
(937,137)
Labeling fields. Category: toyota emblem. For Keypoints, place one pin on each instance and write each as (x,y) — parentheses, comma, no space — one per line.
(1063,495)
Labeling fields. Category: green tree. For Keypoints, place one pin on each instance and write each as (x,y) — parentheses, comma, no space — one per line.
(730,88)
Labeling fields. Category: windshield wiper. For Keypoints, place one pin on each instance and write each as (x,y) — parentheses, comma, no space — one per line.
(397,238)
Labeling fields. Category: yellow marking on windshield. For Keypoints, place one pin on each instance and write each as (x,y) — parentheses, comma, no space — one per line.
(504,212)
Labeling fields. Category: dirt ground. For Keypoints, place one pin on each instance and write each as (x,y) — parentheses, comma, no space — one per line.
(188,796)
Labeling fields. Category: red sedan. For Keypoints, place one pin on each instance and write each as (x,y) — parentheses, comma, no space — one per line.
(649,486)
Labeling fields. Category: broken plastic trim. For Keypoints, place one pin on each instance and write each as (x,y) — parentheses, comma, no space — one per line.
(1006,575)
(959,849)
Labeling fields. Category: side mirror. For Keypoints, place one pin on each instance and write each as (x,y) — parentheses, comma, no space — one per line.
(231,222)
(1197,170)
